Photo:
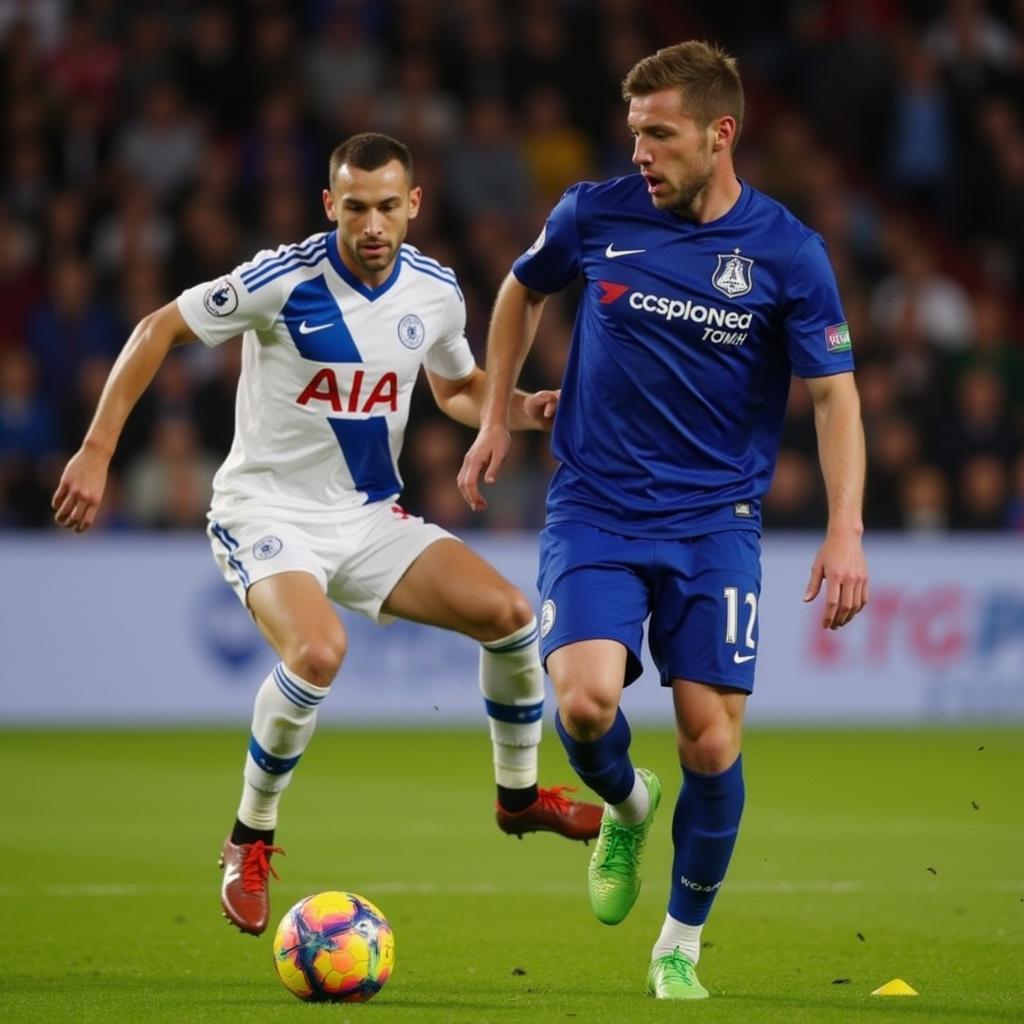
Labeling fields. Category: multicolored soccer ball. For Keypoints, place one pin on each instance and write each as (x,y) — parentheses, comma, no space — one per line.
(334,947)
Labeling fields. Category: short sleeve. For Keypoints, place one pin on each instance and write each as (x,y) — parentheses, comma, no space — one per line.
(553,261)
(221,309)
(450,355)
(817,335)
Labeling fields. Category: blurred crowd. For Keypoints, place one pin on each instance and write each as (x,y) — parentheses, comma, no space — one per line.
(148,147)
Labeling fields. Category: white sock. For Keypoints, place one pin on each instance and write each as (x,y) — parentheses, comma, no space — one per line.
(634,808)
(675,934)
(283,721)
(512,683)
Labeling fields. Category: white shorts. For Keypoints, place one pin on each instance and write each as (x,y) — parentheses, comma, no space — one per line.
(358,558)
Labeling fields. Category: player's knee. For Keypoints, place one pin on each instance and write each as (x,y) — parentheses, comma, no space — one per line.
(510,611)
(586,715)
(317,659)
(713,749)
(519,611)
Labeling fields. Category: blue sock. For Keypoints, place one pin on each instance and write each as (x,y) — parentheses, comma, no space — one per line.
(704,828)
(604,764)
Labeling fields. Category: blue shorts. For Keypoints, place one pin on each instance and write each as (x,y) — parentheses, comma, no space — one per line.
(701,594)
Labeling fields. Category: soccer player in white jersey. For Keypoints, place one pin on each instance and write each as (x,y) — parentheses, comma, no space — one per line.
(304,509)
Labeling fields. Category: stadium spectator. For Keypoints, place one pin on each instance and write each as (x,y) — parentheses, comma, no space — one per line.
(162,147)
(28,423)
(982,493)
(556,152)
(920,141)
(416,106)
(212,68)
(169,486)
(793,501)
(135,230)
(487,173)
(21,283)
(70,324)
(925,500)
(341,63)
(916,287)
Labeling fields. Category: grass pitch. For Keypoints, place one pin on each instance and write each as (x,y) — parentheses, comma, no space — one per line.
(864,856)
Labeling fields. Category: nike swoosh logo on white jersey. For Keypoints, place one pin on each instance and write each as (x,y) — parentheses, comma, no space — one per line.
(740,658)
(612,253)
(304,328)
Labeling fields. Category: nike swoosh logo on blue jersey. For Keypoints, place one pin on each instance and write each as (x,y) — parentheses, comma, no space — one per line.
(611,252)
(305,329)
(740,658)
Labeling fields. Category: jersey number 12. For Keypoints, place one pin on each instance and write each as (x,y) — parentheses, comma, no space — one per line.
(732,615)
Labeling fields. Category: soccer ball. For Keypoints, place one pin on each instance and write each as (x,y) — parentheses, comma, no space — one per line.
(334,947)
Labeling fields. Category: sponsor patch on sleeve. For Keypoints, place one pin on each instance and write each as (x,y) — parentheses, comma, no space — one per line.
(221,299)
(837,338)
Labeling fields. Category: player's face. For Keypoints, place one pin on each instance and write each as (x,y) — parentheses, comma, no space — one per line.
(675,154)
(373,210)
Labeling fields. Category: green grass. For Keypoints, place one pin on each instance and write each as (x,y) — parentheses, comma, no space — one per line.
(861,858)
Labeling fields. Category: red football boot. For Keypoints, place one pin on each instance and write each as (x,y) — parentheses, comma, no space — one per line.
(553,812)
(243,893)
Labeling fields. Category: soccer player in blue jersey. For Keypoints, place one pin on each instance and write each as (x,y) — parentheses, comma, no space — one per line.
(701,296)
(335,332)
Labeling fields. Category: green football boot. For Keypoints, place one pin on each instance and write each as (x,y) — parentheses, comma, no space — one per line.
(613,878)
(673,977)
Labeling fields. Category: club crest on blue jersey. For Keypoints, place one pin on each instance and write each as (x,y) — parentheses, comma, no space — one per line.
(547,617)
(411,331)
(221,299)
(267,547)
(732,275)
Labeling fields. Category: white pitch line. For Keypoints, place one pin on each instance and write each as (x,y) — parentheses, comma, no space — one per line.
(768,887)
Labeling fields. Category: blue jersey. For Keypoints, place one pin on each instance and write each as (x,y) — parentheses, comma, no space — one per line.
(685,340)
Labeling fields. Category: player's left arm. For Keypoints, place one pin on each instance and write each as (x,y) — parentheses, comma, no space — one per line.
(840,561)
(463,400)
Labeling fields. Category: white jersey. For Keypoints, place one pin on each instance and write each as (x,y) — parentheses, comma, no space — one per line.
(328,368)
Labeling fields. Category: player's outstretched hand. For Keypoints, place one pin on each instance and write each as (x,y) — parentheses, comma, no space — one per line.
(80,490)
(840,562)
(541,407)
(486,455)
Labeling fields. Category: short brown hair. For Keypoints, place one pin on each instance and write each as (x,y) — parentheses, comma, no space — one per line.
(368,151)
(707,78)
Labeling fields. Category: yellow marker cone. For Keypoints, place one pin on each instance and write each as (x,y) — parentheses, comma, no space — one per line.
(896,987)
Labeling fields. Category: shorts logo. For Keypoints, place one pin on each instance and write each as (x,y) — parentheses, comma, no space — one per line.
(411,331)
(267,547)
(837,338)
(539,243)
(732,276)
(547,617)
(221,299)
(743,509)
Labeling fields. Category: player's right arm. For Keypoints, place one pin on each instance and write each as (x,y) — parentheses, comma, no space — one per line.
(546,267)
(85,477)
(514,321)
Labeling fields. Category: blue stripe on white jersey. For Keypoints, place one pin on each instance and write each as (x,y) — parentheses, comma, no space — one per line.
(427,262)
(280,255)
(307,255)
(431,272)
(326,338)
